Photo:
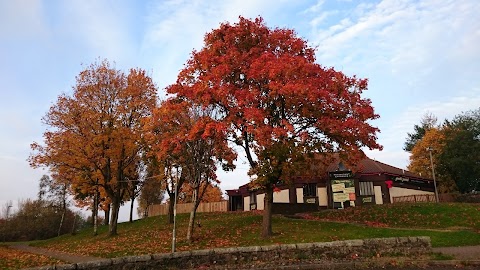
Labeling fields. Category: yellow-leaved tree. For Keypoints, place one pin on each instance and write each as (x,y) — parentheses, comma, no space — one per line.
(433,141)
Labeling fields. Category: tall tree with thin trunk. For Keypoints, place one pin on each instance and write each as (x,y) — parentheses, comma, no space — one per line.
(190,137)
(56,190)
(275,101)
(99,128)
(152,190)
(428,121)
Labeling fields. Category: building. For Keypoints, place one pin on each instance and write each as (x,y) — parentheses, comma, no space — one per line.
(372,182)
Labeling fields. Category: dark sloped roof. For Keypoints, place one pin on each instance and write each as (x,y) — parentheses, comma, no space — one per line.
(370,166)
(366,166)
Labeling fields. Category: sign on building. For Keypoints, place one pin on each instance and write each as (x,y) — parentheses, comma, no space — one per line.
(343,189)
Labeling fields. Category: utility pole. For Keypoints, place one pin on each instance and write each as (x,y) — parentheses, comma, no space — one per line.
(429,149)
(174,235)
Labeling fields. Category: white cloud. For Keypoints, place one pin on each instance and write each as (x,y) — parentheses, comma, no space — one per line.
(395,130)
(22,19)
(315,8)
(101,26)
(409,35)
(177,27)
(419,56)
(398,158)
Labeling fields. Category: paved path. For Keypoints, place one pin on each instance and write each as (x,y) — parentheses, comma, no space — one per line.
(68,258)
(461,253)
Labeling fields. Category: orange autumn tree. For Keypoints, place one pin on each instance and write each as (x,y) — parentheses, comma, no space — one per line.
(276,103)
(97,131)
(420,163)
(162,126)
(210,192)
(420,158)
(190,137)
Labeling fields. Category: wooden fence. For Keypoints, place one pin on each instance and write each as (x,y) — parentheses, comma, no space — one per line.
(162,209)
(414,198)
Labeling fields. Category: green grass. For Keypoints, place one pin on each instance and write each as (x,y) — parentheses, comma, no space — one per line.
(421,215)
(153,235)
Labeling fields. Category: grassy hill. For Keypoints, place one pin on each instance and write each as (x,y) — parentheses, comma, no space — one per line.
(446,224)
(426,215)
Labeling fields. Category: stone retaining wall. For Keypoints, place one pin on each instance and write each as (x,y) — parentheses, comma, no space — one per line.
(242,257)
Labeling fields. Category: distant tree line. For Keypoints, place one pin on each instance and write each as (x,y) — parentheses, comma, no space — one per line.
(454,146)
(45,217)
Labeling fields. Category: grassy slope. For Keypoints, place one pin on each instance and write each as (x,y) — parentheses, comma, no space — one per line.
(425,215)
(153,235)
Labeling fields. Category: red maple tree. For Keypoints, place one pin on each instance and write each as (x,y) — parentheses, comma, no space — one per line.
(275,101)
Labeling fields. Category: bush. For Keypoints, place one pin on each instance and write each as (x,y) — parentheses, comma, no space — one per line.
(36,220)
(469,198)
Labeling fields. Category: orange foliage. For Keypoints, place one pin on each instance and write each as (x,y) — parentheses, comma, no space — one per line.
(96,133)
(420,163)
(187,137)
(189,143)
(434,138)
(212,194)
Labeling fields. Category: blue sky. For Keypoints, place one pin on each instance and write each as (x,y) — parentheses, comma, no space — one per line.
(419,56)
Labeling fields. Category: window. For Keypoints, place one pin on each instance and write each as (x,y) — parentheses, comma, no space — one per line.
(366,189)
(253,198)
(310,190)
(253,201)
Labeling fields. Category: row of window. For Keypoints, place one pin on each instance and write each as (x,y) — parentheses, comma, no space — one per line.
(310,190)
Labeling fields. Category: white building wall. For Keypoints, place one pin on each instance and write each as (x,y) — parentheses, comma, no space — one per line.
(322,196)
(378,195)
(281,197)
(398,192)
(260,202)
(246,203)
(299,195)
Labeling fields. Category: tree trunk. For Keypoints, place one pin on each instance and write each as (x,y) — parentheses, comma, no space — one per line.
(64,208)
(171,204)
(267,212)
(95,214)
(107,214)
(131,209)
(191,223)
(61,220)
(74,224)
(114,217)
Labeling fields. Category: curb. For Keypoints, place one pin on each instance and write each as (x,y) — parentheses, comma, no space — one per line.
(421,264)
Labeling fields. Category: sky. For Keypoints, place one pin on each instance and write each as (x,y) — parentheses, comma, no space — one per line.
(419,56)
